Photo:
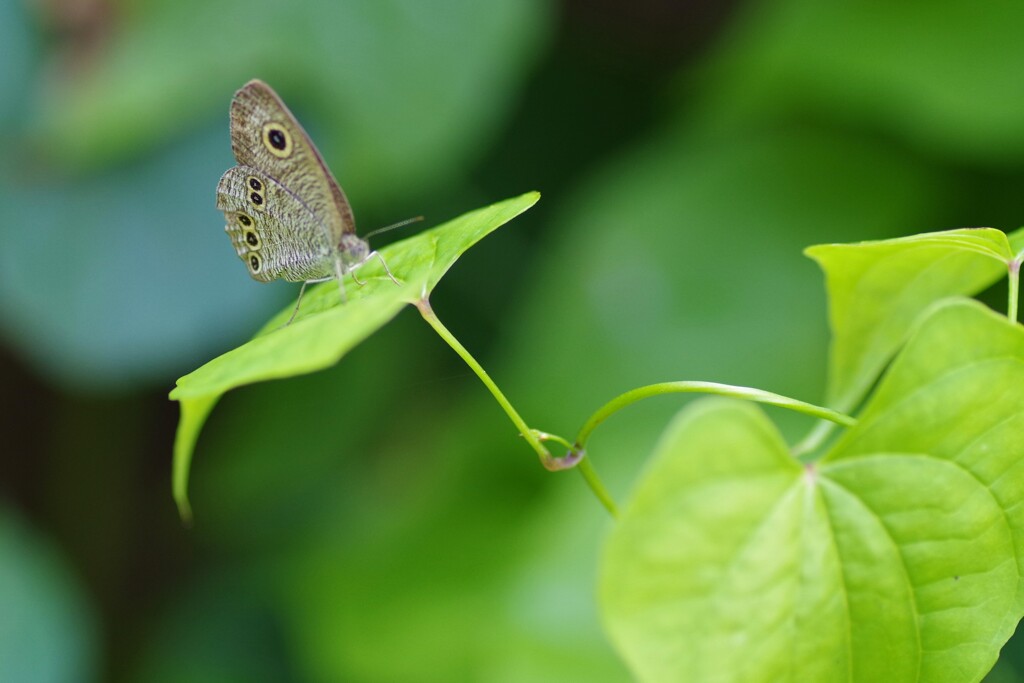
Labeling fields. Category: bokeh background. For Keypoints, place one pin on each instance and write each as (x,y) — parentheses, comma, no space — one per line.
(381,521)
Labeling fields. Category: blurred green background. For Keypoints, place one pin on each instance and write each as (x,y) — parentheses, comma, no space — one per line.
(382,521)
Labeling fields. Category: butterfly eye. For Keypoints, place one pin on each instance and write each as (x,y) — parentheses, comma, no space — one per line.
(255,183)
(277,140)
(244,220)
(254,263)
(252,240)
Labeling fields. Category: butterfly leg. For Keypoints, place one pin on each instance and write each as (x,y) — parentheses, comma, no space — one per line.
(386,269)
(339,271)
(297,302)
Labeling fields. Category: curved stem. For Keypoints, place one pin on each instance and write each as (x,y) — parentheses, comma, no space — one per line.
(524,430)
(586,469)
(756,395)
(544,436)
(814,438)
(573,458)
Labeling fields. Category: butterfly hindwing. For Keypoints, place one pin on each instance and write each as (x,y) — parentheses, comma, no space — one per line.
(266,136)
(273,232)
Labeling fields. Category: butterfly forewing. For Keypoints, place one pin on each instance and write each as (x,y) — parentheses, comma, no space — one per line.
(266,136)
(273,232)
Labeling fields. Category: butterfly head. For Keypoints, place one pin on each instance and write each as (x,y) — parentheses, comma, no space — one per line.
(353,249)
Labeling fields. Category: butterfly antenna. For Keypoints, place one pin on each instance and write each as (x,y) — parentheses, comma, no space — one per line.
(399,224)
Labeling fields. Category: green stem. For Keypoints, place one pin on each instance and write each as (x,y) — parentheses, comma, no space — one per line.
(574,458)
(586,469)
(1014,278)
(814,438)
(746,393)
(544,436)
(524,430)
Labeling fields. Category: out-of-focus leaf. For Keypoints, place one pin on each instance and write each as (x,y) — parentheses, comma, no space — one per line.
(47,629)
(324,331)
(477,560)
(118,273)
(644,272)
(15,67)
(1003,672)
(847,570)
(223,628)
(945,79)
(877,290)
(125,278)
(641,280)
(410,89)
(549,629)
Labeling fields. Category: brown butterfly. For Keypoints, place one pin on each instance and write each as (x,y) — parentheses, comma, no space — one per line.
(286,214)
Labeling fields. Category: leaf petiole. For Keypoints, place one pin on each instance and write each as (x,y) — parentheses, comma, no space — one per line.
(746,393)
(573,458)
(544,436)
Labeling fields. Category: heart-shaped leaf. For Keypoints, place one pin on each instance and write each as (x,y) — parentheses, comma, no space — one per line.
(877,289)
(893,558)
(323,330)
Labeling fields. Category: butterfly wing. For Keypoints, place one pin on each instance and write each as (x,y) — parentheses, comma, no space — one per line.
(266,136)
(273,231)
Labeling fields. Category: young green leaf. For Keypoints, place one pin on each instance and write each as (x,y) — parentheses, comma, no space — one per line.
(877,289)
(325,330)
(893,558)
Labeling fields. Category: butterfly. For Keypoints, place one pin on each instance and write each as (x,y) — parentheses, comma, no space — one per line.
(286,215)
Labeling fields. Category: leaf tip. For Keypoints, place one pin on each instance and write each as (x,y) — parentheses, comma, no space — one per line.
(813,252)
(184,508)
(194,412)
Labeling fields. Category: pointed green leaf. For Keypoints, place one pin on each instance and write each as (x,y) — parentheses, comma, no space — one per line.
(324,330)
(877,289)
(894,558)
